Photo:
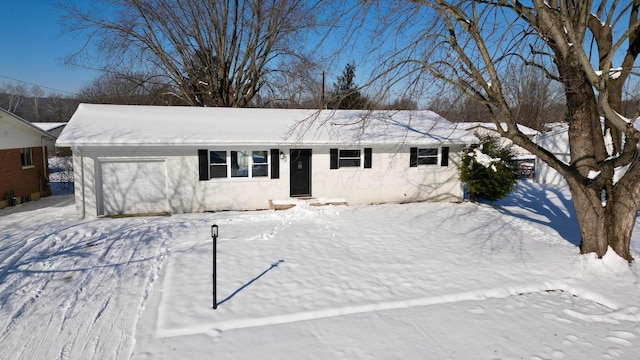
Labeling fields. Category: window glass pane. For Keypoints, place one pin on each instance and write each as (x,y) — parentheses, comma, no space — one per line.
(349,162)
(427,152)
(218,171)
(350,153)
(259,157)
(428,161)
(239,164)
(218,157)
(259,170)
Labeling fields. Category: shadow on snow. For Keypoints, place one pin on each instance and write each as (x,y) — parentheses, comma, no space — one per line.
(275,264)
(552,205)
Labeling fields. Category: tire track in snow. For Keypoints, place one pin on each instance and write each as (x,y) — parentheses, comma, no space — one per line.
(98,318)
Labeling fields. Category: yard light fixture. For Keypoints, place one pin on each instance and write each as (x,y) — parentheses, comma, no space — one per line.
(214,237)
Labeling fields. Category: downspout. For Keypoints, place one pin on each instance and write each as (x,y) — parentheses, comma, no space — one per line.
(45,171)
(82,194)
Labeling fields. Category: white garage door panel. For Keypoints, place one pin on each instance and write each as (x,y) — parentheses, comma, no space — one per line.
(134,187)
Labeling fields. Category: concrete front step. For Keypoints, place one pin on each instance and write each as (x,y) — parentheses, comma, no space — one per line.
(283,204)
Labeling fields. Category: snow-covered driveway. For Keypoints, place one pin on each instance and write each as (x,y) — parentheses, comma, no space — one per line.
(73,289)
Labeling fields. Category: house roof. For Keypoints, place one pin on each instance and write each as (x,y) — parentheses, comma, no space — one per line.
(48,126)
(135,125)
(491,126)
(15,119)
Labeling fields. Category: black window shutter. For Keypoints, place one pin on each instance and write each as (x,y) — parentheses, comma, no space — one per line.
(203,164)
(333,161)
(413,160)
(367,158)
(275,164)
(444,160)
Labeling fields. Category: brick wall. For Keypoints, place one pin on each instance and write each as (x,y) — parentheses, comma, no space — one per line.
(25,182)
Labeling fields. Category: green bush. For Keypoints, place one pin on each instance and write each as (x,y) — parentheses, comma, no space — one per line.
(487,170)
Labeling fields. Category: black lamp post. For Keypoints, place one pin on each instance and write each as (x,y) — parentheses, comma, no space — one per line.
(214,236)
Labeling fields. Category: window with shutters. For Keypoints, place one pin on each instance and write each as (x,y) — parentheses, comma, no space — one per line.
(350,158)
(238,164)
(218,164)
(428,156)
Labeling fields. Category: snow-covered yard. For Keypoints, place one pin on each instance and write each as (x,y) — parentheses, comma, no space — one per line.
(424,280)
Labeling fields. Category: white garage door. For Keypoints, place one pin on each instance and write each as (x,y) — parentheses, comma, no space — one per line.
(133,187)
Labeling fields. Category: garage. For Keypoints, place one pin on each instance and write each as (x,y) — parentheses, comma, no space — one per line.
(133,187)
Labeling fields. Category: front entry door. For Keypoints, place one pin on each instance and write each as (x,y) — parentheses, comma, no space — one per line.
(300,181)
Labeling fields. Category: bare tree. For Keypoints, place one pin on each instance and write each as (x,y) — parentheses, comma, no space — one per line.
(36,94)
(404,103)
(533,97)
(128,89)
(297,84)
(457,106)
(13,95)
(215,53)
(472,45)
(59,108)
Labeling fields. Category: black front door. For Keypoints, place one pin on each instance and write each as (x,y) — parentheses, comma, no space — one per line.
(300,182)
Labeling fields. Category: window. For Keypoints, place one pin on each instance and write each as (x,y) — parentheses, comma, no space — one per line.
(349,158)
(238,164)
(26,157)
(423,156)
(260,163)
(427,156)
(218,164)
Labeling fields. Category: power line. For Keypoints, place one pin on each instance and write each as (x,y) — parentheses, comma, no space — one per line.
(38,85)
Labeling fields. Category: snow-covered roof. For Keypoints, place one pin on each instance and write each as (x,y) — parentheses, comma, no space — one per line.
(491,126)
(48,126)
(4,114)
(134,125)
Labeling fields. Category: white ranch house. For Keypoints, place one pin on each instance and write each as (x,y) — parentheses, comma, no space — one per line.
(156,159)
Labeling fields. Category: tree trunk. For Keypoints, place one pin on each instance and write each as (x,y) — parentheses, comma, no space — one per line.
(622,211)
(591,218)
(587,149)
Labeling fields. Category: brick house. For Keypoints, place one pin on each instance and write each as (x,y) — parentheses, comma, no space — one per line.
(23,161)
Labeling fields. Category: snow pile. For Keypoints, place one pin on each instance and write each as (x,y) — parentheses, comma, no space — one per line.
(609,264)
(316,282)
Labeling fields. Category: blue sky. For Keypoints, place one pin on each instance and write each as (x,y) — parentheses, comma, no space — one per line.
(33,47)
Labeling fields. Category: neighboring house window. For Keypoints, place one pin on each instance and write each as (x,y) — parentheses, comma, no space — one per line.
(349,158)
(26,156)
(218,164)
(238,164)
(428,156)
